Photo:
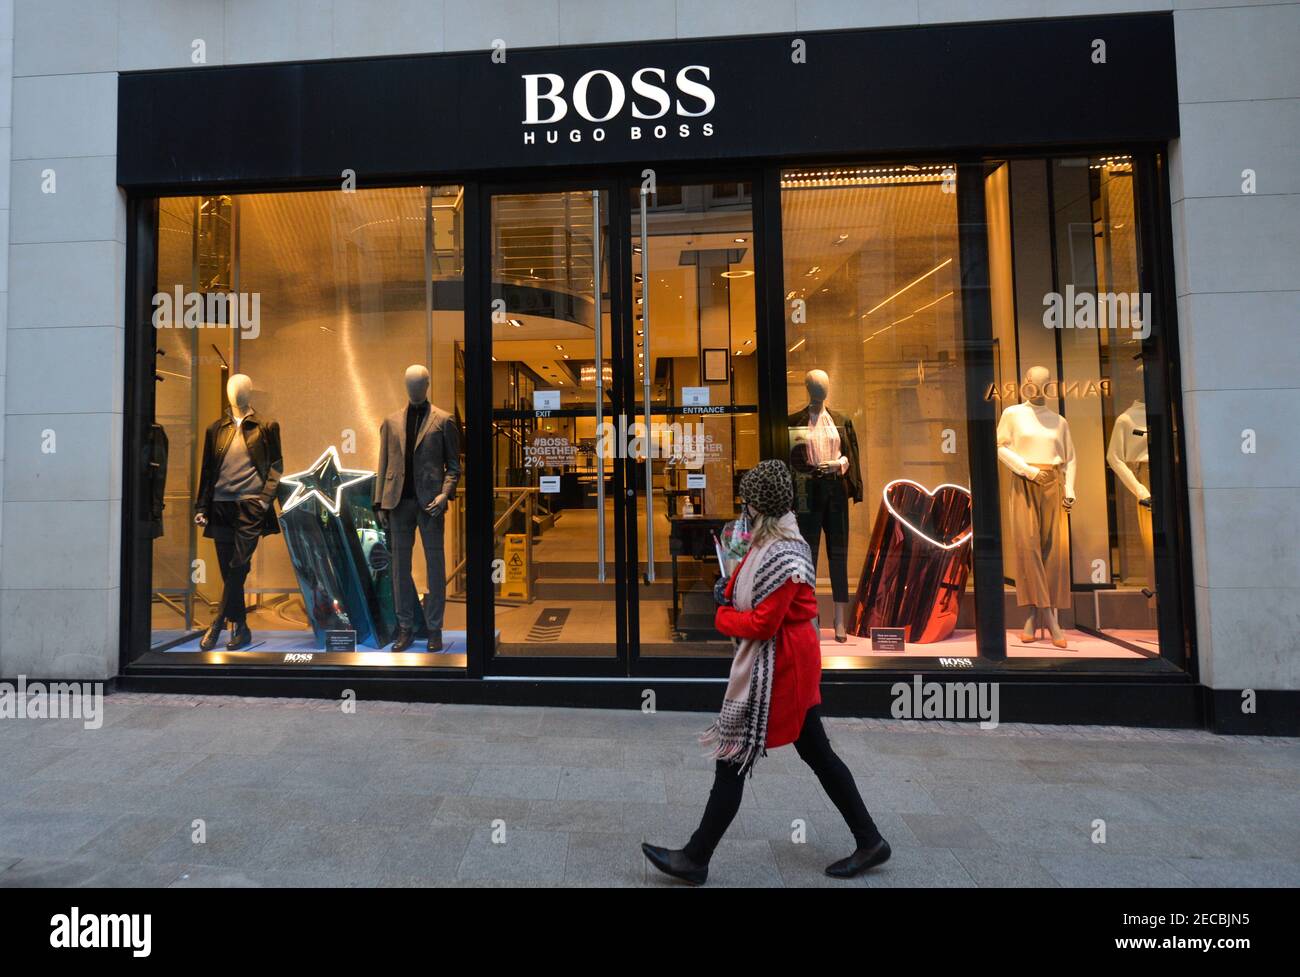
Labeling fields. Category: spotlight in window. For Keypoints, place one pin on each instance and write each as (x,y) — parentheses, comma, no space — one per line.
(812,271)
(738,240)
(742,273)
(559,347)
(515,322)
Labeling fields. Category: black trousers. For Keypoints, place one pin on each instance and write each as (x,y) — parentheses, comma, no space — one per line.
(235,528)
(814,749)
(828,512)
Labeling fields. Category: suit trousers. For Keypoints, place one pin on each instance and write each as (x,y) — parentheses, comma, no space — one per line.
(403,520)
(828,512)
(1041,540)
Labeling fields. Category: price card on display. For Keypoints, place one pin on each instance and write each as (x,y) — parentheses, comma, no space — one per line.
(340,641)
(549,484)
(888,639)
(695,396)
(546,400)
(695,480)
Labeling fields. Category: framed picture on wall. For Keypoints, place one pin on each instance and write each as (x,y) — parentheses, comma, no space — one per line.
(715,365)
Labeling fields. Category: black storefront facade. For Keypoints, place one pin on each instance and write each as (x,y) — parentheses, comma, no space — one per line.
(897,209)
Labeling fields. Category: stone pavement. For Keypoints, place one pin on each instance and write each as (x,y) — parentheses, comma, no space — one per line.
(295,792)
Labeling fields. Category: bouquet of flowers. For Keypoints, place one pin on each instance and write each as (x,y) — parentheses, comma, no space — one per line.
(733,544)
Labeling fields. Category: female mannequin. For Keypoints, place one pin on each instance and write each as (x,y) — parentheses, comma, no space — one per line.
(1034,442)
(242,465)
(1126,454)
(825,460)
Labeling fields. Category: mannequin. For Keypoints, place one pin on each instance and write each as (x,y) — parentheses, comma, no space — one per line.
(415,481)
(1034,442)
(825,462)
(1126,454)
(242,465)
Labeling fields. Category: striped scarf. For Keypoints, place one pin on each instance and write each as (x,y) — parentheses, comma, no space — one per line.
(739,734)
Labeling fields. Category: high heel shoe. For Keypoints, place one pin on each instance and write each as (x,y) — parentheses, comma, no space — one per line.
(1059,642)
(1028,639)
(674,862)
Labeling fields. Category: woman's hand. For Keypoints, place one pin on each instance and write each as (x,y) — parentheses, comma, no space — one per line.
(720,592)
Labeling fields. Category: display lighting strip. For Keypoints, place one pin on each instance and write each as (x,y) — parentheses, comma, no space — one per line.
(901,518)
(874,175)
(1113,163)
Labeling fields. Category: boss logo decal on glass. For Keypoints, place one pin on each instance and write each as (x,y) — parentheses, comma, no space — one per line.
(600,96)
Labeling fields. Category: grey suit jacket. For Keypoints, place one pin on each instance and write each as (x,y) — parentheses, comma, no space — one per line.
(437,459)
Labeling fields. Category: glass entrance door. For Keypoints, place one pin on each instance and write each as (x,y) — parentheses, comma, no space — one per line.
(554,504)
(624,409)
(696,368)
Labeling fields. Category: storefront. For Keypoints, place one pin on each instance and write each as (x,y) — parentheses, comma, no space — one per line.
(929,266)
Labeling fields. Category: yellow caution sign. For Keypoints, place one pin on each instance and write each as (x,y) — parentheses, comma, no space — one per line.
(515,583)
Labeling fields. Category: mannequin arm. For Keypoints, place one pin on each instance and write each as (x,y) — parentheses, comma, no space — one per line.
(276,459)
(1115,458)
(381,467)
(1007,456)
(1071,461)
(451,452)
(206,475)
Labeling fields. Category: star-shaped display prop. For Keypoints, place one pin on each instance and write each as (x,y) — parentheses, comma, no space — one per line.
(325,481)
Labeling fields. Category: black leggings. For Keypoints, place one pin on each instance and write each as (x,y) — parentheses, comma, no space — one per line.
(815,750)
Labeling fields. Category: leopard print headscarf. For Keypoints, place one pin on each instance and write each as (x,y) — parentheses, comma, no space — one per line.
(768,487)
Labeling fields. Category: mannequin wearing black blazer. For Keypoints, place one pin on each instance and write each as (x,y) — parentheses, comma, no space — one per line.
(824,492)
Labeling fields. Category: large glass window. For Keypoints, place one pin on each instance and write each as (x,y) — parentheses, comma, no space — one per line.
(877,392)
(317,339)
(1069,319)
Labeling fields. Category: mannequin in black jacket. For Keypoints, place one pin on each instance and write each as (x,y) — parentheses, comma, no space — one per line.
(242,465)
(828,477)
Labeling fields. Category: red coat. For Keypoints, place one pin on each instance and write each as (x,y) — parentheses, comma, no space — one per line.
(796,685)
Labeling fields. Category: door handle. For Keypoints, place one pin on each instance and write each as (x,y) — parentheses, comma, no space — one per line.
(646,371)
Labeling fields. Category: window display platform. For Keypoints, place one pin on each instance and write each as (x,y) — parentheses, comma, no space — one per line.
(292,642)
(1079,644)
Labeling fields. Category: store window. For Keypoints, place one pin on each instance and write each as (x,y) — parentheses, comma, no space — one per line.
(1069,320)
(877,389)
(307,445)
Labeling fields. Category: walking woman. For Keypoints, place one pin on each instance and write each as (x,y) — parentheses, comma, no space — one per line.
(767,606)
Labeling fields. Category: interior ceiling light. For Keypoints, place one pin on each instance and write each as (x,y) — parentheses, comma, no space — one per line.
(942,264)
(812,271)
(930,173)
(515,322)
(742,273)
(738,240)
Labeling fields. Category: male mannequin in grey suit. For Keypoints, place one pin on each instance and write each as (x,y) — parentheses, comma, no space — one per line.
(419,466)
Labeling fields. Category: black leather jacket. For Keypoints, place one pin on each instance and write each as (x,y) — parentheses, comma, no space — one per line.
(262,438)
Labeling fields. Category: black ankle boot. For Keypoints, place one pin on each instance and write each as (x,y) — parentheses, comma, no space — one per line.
(675,863)
(212,635)
(241,637)
(864,858)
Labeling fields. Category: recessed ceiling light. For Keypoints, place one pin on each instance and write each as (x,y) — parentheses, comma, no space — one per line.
(742,273)
(739,240)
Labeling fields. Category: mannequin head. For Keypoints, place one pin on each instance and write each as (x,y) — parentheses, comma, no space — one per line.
(818,384)
(417,383)
(239,389)
(1035,380)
